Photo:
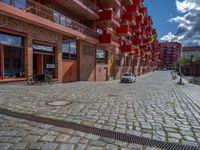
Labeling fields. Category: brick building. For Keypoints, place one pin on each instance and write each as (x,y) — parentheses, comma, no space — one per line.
(169,54)
(189,51)
(87,40)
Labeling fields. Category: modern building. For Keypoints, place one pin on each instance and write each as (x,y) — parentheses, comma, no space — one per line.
(87,40)
(169,54)
(189,51)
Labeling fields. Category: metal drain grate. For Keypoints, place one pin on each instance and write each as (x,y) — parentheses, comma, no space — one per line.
(100,132)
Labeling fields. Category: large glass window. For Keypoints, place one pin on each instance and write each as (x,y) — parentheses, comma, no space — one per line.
(117,59)
(69,50)
(101,56)
(17,3)
(13,62)
(10,39)
(126,61)
(44,48)
(20,4)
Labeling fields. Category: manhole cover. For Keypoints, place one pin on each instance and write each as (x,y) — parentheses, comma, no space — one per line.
(58,103)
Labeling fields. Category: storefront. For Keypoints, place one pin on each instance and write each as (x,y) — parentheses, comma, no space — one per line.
(11,56)
(43,58)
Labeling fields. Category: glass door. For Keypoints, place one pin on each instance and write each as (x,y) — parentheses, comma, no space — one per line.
(49,64)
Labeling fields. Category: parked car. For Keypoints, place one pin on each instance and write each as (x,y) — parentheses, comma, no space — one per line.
(128,78)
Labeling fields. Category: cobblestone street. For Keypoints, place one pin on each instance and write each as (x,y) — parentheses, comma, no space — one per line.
(154,107)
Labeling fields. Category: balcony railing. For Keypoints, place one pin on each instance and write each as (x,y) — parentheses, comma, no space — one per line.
(90,5)
(40,10)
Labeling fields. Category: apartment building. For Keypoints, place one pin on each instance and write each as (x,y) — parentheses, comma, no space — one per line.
(170,52)
(189,51)
(87,40)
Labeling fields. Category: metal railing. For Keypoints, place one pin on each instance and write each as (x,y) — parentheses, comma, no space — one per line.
(114,15)
(40,10)
(90,5)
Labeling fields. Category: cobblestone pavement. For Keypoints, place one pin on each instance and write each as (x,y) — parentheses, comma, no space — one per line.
(22,134)
(153,107)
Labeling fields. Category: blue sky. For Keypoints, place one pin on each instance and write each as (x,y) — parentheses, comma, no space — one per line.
(184,24)
(161,11)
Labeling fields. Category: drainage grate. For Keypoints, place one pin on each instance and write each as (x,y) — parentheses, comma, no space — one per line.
(100,132)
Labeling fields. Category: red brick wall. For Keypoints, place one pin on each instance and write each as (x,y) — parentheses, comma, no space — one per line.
(87,61)
(34,33)
(102,72)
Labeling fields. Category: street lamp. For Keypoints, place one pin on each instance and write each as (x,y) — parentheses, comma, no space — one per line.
(180,64)
(191,69)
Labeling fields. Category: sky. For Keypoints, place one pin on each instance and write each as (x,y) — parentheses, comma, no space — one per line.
(176,20)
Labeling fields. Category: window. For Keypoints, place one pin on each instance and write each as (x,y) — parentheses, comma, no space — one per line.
(117,59)
(44,48)
(126,61)
(20,4)
(10,39)
(69,49)
(101,56)
(99,31)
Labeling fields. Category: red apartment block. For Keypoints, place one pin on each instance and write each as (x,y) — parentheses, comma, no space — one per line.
(170,52)
(87,40)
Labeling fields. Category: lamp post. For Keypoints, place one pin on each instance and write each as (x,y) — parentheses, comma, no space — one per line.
(180,71)
(191,69)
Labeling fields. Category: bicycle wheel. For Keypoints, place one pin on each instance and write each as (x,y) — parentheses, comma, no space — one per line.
(30,80)
(49,79)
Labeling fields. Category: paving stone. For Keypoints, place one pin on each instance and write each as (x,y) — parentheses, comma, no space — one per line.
(31,138)
(5,146)
(49,146)
(66,147)
(81,147)
(35,145)
(19,145)
(154,105)
(48,138)
(94,148)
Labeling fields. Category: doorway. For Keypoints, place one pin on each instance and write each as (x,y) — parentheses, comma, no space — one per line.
(43,64)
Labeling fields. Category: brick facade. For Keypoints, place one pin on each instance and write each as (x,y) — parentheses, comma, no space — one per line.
(34,33)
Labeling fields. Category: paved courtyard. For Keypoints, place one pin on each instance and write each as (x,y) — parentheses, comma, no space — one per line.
(154,107)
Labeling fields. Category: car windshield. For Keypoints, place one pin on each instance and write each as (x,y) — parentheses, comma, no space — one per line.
(127,74)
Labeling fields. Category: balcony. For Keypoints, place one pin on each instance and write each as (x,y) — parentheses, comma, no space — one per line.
(139,19)
(126,2)
(136,28)
(110,3)
(127,48)
(143,10)
(109,39)
(148,21)
(138,1)
(108,18)
(129,17)
(132,9)
(84,8)
(41,15)
(136,41)
(123,30)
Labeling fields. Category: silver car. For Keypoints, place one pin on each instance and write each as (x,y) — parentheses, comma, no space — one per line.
(128,78)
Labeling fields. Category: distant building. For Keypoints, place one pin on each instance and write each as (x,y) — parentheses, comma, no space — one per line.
(191,51)
(170,52)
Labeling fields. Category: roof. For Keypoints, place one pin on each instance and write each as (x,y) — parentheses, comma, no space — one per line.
(191,48)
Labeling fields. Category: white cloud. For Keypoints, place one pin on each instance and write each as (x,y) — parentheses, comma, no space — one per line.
(188,30)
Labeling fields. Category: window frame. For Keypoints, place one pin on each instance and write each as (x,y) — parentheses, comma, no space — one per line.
(103,60)
(68,54)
